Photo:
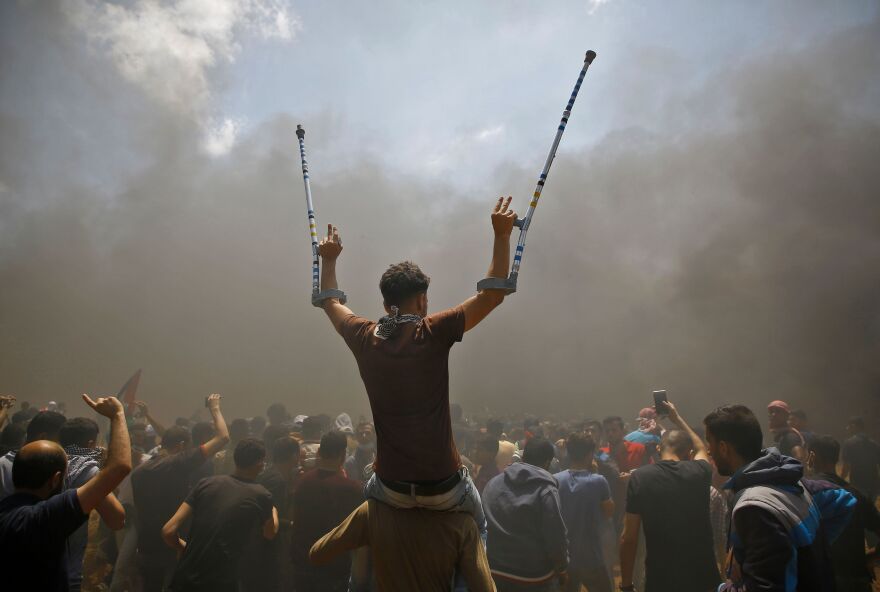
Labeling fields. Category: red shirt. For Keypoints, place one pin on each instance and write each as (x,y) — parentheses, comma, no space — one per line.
(407,382)
(629,456)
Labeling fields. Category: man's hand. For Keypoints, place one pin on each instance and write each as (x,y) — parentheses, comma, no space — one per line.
(331,246)
(502,218)
(563,580)
(142,407)
(214,401)
(672,413)
(106,406)
(7,401)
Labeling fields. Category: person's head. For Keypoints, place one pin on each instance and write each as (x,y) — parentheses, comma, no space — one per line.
(366,435)
(285,452)
(593,428)
(202,432)
(580,448)
(676,445)
(39,468)
(539,452)
(648,421)
(46,425)
(613,427)
(332,449)
(495,427)
(486,449)
(797,419)
(182,422)
(734,436)
(176,439)
(777,413)
(239,429)
(405,286)
(257,425)
(312,428)
(13,437)
(823,454)
(855,425)
(249,457)
(277,414)
(79,431)
(455,412)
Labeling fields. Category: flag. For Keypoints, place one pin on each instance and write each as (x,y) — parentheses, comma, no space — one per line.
(128,390)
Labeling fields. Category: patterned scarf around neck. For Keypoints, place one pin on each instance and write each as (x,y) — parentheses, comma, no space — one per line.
(389,324)
(95,454)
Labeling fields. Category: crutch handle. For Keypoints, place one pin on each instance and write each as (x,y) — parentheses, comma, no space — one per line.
(300,132)
(518,222)
(319,298)
(506,285)
(591,55)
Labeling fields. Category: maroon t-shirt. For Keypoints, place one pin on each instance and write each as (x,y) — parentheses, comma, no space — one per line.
(407,381)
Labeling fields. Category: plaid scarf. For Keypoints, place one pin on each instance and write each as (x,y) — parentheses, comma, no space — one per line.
(95,454)
(389,324)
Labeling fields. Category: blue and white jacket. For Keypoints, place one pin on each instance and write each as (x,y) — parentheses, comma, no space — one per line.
(782,526)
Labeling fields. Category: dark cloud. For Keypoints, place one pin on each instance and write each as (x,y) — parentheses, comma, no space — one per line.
(737,259)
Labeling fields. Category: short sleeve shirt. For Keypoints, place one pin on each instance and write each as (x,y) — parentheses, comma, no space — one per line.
(672,498)
(407,381)
(226,513)
(33,537)
(160,485)
(581,494)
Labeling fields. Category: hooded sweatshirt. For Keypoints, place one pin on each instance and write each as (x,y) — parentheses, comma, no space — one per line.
(527,540)
(782,526)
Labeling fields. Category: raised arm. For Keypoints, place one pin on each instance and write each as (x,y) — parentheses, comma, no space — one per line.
(221,432)
(476,308)
(6,403)
(270,526)
(700,452)
(145,411)
(118,463)
(329,250)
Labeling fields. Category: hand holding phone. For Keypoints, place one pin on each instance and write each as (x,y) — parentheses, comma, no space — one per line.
(661,403)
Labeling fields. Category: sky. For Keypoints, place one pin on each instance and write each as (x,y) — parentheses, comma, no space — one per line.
(710,224)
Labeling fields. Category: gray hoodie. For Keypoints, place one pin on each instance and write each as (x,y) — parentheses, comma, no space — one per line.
(527,540)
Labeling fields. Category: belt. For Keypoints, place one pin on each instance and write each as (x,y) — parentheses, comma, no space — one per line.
(423,488)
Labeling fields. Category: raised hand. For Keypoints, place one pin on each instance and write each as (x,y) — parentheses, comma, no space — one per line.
(213,401)
(330,246)
(106,406)
(7,401)
(502,217)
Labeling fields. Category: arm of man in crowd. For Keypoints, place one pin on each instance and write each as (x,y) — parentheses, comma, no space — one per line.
(171,528)
(608,508)
(476,308)
(145,411)
(700,450)
(629,544)
(350,534)
(270,527)
(6,403)
(329,250)
(111,512)
(221,432)
(118,463)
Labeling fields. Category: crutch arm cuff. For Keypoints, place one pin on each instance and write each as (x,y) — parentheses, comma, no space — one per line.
(506,285)
(319,298)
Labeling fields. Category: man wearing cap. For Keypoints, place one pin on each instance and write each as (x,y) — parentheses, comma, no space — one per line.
(648,434)
(785,438)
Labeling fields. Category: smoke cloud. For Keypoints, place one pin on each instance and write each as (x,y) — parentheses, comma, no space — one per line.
(734,260)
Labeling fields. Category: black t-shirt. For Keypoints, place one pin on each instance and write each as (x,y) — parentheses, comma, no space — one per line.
(862,454)
(785,439)
(159,486)
(672,498)
(33,537)
(226,511)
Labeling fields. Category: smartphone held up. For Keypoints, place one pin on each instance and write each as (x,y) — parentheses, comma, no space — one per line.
(661,403)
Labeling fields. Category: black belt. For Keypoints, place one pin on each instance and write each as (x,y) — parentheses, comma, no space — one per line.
(423,488)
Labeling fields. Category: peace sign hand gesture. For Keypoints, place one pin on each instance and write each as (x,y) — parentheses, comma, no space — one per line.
(331,246)
(503,218)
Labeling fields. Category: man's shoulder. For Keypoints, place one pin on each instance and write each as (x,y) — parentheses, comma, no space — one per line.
(634,446)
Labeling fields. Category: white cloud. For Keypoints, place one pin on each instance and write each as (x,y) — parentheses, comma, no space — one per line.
(594,5)
(167,48)
(219,139)
(489,133)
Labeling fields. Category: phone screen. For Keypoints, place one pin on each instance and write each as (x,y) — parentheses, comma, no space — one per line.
(660,403)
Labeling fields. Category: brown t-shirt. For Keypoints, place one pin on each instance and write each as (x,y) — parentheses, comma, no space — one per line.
(407,381)
(411,549)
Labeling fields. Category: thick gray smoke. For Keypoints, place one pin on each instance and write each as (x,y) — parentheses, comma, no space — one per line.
(737,259)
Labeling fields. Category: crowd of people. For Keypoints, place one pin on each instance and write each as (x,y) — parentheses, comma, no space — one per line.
(420,498)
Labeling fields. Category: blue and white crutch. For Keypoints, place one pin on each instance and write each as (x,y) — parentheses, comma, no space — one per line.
(508,284)
(318,297)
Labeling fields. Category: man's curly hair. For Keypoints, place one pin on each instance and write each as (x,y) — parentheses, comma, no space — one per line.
(402,281)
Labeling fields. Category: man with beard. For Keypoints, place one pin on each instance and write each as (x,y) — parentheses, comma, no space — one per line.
(36,520)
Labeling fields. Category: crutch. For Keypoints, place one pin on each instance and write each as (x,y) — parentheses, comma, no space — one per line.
(318,297)
(508,284)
